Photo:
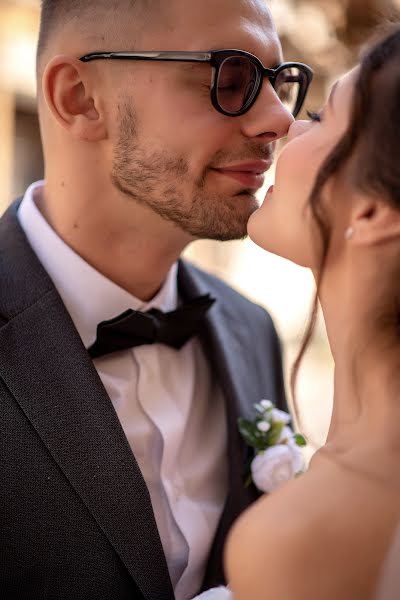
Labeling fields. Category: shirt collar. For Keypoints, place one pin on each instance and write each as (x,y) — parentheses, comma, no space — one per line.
(89,296)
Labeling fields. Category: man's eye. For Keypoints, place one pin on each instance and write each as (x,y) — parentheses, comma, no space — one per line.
(227,85)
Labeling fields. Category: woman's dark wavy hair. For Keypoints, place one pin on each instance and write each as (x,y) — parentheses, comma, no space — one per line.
(368,152)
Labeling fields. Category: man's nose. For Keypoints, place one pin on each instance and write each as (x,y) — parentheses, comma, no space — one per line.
(268,118)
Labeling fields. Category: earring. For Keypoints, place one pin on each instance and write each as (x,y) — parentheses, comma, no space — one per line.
(349,233)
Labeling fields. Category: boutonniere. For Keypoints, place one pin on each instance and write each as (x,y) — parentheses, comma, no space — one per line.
(277,448)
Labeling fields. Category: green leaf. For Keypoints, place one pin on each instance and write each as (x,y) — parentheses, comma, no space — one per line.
(300,440)
(249,439)
(253,436)
(275,433)
(248,481)
(248,431)
(243,423)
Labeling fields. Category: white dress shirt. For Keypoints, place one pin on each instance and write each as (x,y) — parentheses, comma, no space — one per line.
(170,407)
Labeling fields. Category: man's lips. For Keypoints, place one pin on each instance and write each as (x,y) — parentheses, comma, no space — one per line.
(249,174)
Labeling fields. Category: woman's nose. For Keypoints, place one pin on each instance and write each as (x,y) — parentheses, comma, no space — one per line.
(297,128)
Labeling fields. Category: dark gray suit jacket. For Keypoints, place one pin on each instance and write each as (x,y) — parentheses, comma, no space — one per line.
(76,522)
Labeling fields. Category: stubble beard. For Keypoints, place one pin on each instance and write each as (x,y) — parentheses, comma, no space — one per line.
(160,182)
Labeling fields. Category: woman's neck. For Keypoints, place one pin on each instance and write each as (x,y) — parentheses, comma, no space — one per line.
(366,408)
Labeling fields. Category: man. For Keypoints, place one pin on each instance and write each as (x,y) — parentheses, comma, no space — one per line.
(122,465)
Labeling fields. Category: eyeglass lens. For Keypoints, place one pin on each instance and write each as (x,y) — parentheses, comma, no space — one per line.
(237,83)
(239,79)
(289,86)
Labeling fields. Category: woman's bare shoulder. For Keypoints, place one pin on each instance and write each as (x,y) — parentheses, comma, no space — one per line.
(269,548)
(293,543)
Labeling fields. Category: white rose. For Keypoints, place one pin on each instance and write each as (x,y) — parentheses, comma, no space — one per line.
(286,435)
(273,467)
(263,426)
(280,416)
(298,459)
(266,404)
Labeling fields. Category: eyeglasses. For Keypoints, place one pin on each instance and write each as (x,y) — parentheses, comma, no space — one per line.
(236,79)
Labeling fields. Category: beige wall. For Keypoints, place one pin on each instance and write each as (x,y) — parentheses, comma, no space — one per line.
(18,33)
(7,107)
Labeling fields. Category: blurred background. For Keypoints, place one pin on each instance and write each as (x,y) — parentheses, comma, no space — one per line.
(328,35)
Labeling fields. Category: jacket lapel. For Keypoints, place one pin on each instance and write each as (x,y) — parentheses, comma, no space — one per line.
(47,369)
(224,338)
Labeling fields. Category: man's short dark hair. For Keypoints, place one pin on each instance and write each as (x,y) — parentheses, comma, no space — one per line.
(56,13)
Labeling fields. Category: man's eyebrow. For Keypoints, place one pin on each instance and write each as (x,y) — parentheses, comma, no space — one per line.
(192,66)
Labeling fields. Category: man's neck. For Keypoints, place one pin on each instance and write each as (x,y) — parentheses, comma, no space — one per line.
(135,254)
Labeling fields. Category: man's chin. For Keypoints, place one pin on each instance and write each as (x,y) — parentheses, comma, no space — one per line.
(247,192)
(228,227)
(219,231)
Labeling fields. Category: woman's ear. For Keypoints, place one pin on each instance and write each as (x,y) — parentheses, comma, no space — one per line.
(372,221)
(67,94)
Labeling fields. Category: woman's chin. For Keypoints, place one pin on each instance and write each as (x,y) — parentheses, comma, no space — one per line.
(255,229)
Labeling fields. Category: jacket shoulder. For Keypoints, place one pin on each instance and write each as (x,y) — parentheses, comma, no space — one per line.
(23,280)
(231,297)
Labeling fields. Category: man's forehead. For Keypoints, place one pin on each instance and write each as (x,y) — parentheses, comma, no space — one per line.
(223,15)
(215,24)
(218,8)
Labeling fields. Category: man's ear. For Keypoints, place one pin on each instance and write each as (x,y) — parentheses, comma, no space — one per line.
(373,221)
(67,94)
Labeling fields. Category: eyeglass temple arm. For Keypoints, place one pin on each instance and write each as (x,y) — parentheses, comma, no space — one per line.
(165,56)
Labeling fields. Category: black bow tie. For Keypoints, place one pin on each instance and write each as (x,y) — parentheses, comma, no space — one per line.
(134,328)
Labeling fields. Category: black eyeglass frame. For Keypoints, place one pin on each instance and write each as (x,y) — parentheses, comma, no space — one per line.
(216,58)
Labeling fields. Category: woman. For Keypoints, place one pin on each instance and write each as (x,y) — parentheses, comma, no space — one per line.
(335,208)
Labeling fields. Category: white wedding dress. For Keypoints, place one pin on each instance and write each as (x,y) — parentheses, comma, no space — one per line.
(218,593)
(389,584)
